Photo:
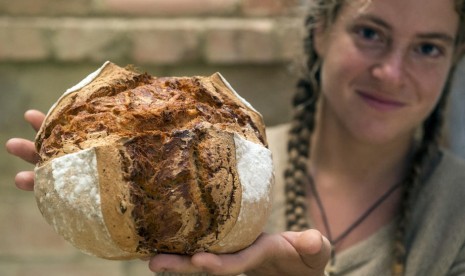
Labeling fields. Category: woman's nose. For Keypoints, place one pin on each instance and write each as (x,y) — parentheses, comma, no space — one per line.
(391,69)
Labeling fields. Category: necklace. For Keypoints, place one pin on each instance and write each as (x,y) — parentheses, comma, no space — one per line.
(343,235)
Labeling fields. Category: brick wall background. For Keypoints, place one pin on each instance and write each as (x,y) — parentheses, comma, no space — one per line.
(47,46)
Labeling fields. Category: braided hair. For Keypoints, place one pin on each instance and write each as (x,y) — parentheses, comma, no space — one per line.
(305,100)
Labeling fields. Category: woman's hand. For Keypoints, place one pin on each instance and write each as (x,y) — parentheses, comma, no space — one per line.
(25,150)
(288,253)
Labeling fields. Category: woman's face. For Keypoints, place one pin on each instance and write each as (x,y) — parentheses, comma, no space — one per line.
(385,63)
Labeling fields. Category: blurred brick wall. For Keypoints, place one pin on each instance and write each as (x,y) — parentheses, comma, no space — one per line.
(46,46)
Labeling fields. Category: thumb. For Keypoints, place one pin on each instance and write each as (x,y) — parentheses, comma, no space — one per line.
(312,246)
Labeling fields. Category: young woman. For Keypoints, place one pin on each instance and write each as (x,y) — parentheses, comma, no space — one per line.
(363,163)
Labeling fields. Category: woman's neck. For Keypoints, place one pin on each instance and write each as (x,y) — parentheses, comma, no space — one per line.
(336,152)
(350,175)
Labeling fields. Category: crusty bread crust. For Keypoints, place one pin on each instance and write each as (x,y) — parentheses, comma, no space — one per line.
(115,201)
(132,165)
(74,210)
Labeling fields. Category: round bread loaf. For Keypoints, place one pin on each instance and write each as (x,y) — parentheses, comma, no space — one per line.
(132,165)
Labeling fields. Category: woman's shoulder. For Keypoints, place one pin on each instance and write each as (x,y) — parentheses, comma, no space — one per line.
(277,133)
(446,183)
(277,137)
(437,210)
(449,172)
(455,161)
(442,193)
(277,142)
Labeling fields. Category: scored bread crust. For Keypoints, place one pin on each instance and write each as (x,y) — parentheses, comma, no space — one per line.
(86,216)
(132,165)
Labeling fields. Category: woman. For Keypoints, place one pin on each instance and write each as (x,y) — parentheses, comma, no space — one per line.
(364,163)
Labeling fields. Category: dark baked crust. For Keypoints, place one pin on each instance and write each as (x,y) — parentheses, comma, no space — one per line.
(173,139)
(122,103)
(185,189)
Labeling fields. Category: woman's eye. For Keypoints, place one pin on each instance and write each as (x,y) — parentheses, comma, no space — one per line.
(368,34)
(428,49)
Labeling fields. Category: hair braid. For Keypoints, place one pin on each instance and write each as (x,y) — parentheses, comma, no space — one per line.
(299,137)
(426,153)
(298,148)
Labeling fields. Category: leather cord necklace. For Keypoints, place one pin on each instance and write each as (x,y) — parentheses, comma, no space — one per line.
(334,241)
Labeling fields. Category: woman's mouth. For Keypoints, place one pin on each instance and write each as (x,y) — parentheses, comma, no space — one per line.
(380,103)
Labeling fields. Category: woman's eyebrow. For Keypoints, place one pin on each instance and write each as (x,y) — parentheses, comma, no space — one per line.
(374,19)
(447,38)
(438,36)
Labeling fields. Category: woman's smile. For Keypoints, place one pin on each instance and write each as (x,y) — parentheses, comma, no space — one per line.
(380,102)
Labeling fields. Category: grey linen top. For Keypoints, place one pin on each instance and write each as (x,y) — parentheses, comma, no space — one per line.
(435,239)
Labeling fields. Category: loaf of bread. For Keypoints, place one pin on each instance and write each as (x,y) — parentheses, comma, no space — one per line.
(133,165)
